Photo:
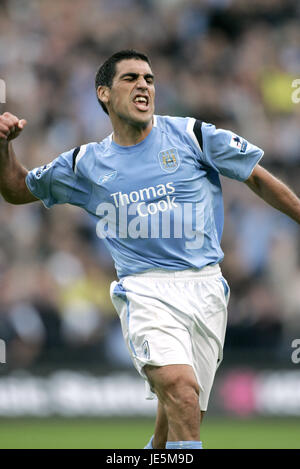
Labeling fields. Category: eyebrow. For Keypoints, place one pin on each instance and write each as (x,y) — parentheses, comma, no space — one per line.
(135,75)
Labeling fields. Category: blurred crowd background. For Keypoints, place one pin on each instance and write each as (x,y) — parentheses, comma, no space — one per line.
(229,62)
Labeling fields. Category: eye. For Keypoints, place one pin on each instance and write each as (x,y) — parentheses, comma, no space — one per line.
(129,78)
(149,79)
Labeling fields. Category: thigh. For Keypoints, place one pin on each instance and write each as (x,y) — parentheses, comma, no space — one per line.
(167,322)
(153,333)
(208,334)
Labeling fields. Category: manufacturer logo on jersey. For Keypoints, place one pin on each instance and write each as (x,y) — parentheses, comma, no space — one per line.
(108,177)
(239,143)
(169,160)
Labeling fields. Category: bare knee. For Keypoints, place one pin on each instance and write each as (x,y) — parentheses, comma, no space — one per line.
(181,392)
(175,385)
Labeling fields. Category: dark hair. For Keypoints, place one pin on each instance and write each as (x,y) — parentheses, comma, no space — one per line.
(107,71)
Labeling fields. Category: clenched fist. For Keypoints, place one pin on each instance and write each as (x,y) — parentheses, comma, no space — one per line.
(10,126)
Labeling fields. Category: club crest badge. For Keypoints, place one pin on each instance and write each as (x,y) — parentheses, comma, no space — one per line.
(169,160)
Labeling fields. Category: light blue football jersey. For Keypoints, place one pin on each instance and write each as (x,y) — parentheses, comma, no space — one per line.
(157,204)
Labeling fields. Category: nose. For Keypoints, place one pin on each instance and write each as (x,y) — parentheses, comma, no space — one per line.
(142,83)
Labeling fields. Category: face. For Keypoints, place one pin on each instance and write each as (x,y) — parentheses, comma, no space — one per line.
(131,96)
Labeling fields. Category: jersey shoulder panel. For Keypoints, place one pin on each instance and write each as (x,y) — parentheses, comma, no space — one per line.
(168,123)
(188,129)
(80,153)
(105,143)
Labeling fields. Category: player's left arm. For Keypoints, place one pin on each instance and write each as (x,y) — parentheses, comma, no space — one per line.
(274,192)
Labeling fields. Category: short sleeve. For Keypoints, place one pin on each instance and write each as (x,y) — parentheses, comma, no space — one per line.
(56,182)
(226,152)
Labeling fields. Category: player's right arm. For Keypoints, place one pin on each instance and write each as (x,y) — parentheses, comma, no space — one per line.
(12,174)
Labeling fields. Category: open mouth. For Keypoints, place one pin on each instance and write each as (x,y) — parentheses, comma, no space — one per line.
(141,102)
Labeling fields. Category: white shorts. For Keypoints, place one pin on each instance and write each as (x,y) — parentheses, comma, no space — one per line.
(175,317)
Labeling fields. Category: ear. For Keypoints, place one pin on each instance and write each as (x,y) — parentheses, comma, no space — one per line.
(103,93)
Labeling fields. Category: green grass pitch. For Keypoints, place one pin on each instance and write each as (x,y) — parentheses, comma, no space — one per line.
(134,433)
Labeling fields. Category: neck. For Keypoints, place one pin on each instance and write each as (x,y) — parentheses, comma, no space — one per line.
(128,134)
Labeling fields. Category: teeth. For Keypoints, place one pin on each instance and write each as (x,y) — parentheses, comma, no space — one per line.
(141,99)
